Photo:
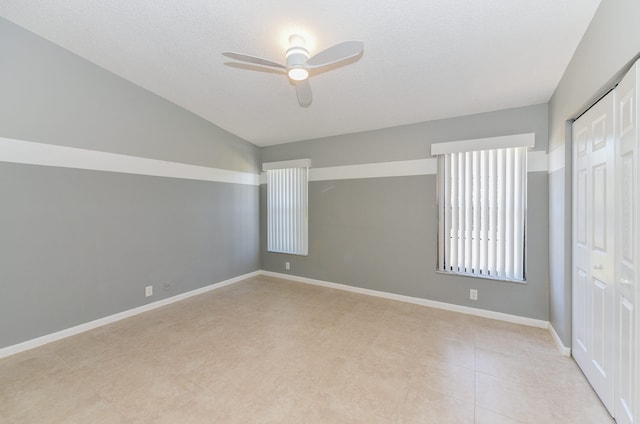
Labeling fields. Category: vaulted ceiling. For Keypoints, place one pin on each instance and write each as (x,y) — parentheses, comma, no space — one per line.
(423,59)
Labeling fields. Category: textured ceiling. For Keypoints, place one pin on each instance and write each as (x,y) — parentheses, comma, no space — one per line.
(423,59)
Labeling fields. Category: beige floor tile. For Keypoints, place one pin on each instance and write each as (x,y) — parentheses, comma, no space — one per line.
(450,351)
(501,337)
(273,351)
(87,348)
(64,396)
(145,399)
(454,324)
(29,365)
(375,382)
(94,412)
(428,406)
(450,380)
(348,339)
(440,331)
(484,416)
(326,407)
(514,400)
(409,313)
(375,396)
(539,340)
(517,367)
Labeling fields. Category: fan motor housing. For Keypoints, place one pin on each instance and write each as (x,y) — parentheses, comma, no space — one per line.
(297,56)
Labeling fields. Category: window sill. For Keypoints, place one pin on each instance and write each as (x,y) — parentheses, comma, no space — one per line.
(481,277)
(287,253)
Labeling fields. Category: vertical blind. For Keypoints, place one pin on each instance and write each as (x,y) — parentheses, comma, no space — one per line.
(287,210)
(482,210)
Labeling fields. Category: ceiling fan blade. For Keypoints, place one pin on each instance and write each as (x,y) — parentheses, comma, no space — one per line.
(256,68)
(334,54)
(253,59)
(303,90)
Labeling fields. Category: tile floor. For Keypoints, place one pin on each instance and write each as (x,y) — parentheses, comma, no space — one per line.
(272,351)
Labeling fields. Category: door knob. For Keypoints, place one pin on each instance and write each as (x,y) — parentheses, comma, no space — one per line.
(599,266)
(625,282)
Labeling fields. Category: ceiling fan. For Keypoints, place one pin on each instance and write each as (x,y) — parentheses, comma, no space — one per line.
(299,62)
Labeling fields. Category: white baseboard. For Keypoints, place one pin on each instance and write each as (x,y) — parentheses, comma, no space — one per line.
(566,351)
(40,341)
(531,322)
(58,335)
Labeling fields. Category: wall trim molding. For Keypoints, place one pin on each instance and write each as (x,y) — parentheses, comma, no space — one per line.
(531,322)
(537,162)
(556,159)
(566,351)
(403,168)
(32,153)
(81,328)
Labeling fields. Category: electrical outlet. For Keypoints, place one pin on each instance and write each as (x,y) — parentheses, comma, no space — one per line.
(473,294)
(148,291)
(167,286)
(287,266)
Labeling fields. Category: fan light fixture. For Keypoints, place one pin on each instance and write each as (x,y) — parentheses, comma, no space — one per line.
(297,55)
(298,74)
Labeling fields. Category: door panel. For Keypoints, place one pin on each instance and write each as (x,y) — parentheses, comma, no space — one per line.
(599,330)
(605,247)
(580,319)
(581,202)
(581,138)
(626,355)
(599,128)
(627,211)
(599,207)
(593,247)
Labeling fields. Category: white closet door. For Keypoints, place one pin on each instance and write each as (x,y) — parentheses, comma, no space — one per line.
(626,262)
(593,247)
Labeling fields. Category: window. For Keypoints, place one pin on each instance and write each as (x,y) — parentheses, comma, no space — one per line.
(482,204)
(287,222)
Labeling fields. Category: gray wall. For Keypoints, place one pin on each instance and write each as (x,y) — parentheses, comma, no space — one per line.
(559,254)
(412,141)
(380,233)
(610,45)
(51,95)
(78,245)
